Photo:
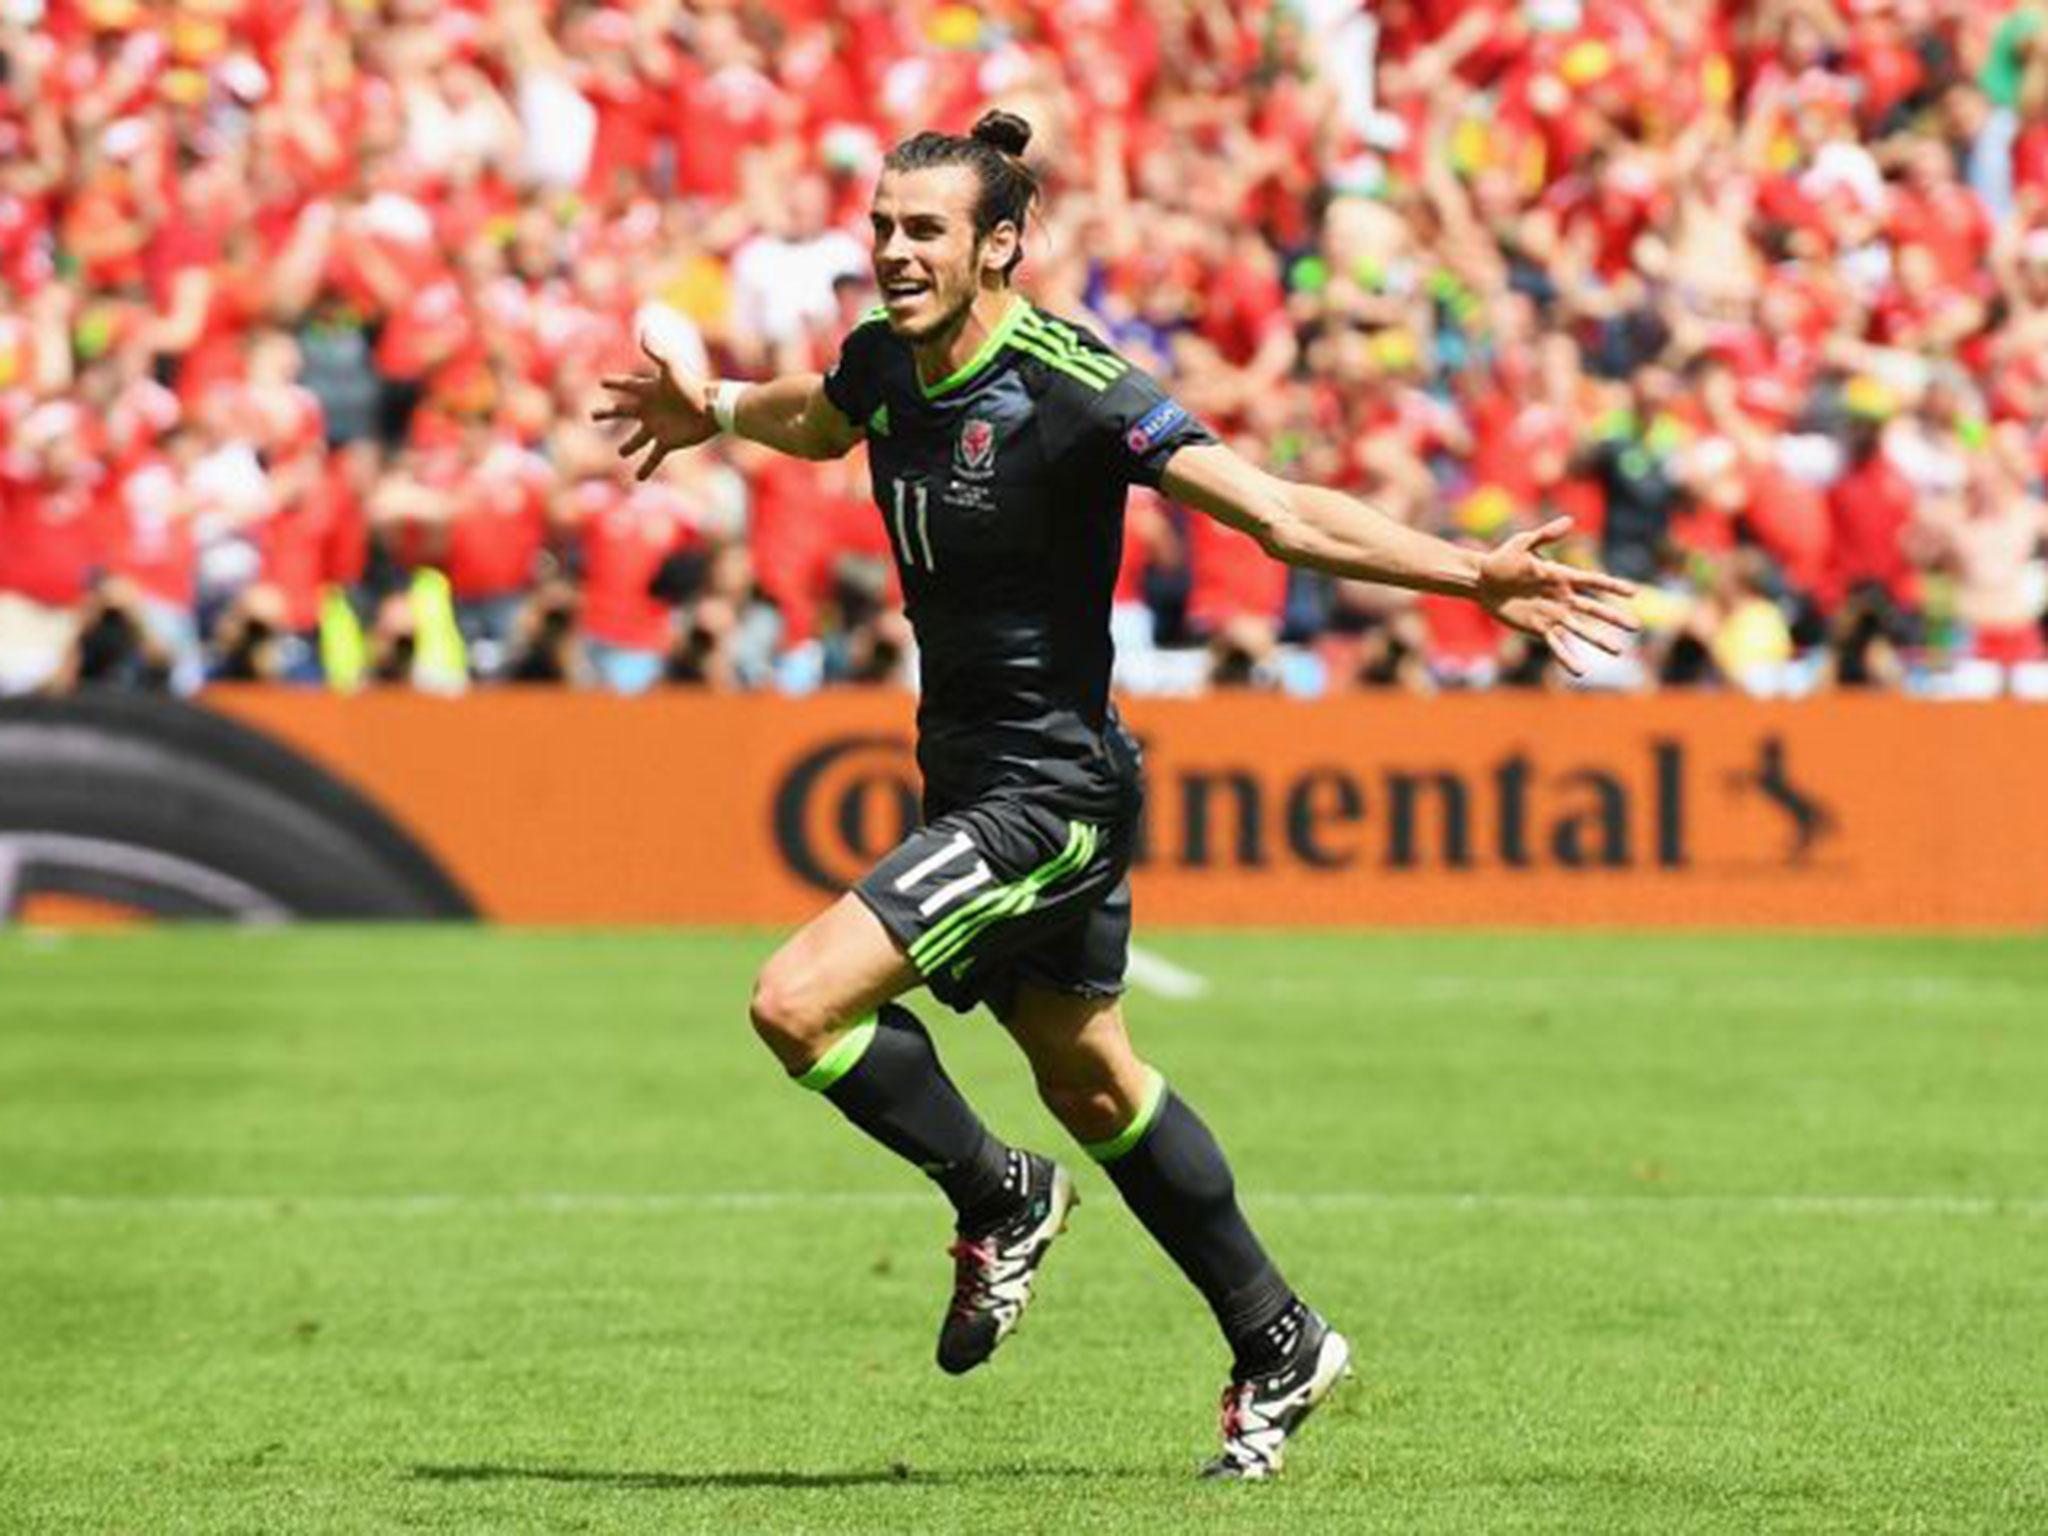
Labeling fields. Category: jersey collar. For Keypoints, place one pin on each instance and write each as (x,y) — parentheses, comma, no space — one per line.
(984,355)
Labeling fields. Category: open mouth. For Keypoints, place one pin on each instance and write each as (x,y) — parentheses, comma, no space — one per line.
(904,292)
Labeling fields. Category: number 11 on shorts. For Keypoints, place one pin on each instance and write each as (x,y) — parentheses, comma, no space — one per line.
(953,887)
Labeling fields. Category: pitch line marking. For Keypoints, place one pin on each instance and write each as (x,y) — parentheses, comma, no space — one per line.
(1155,973)
(599,1203)
(1754,989)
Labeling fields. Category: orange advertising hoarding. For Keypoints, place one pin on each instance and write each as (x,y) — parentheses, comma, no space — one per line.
(1494,809)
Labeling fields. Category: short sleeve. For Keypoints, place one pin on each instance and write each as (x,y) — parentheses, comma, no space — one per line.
(854,382)
(1140,426)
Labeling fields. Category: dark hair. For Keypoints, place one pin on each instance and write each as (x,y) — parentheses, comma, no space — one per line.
(994,150)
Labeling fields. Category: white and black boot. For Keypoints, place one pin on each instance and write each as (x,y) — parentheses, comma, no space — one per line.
(1260,1412)
(993,1270)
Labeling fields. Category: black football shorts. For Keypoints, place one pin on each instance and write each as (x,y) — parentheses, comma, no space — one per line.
(1006,891)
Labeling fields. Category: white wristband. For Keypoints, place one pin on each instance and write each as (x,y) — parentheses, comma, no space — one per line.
(725,402)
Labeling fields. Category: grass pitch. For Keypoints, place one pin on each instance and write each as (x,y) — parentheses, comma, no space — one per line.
(471,1230)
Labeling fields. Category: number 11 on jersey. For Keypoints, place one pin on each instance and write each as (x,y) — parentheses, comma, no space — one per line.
(913,501)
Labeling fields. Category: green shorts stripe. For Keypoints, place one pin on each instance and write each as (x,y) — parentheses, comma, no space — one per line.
(972,913)
(1023,897)
(923,953)
(960,929)
(1015,903)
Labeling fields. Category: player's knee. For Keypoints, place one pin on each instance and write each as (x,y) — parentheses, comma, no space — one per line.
(1085,1101)
(788,1017)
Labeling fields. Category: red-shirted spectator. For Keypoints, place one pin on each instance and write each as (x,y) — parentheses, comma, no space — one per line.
(1935,211)
(803,516)
(1870,510)
(1792,522)
(723,106)
(151,535)
(1235,598)
(292,542)
(1464,641)
(624,538)
(497,525)
(53,513)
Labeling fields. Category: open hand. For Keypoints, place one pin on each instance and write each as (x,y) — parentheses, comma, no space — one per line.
(669,409)
(1557,603)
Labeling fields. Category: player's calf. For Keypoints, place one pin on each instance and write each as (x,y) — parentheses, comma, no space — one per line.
(884,1075)
(1160,1156)
(1009,1204)
(821,1005)
(1174,1177)
(1284,1358)
(815,1005)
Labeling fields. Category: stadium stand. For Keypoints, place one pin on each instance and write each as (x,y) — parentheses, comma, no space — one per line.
(303,304)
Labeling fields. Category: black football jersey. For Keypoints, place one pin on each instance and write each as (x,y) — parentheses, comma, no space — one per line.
(1002,488)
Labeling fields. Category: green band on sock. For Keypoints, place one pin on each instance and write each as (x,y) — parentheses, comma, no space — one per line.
(1148,1111)
(838,1061)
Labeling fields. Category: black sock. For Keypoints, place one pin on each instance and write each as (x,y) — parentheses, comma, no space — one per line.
(1272,1346)
(1174,1178)
(885,1077)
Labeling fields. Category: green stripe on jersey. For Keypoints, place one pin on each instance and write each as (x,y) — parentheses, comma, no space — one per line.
(1065,341)
(1061,349)
(984,354)
(1059,330)
(1063,362)
(961,928)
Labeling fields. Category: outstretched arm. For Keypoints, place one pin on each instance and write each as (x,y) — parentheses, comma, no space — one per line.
(1325,530)
(671,408)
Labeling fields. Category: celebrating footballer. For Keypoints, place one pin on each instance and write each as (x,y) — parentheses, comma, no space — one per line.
(1001,441)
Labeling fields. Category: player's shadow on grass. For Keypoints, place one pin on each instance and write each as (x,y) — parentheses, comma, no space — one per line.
(601,1478)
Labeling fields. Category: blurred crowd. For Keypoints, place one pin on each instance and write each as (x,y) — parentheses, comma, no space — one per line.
(303,304)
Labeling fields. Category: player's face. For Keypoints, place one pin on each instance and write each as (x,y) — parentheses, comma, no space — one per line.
(926,256)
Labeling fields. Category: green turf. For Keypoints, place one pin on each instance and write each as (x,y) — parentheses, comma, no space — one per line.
(1634,1233)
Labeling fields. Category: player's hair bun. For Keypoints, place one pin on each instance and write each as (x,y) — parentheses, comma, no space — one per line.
(1001,130)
